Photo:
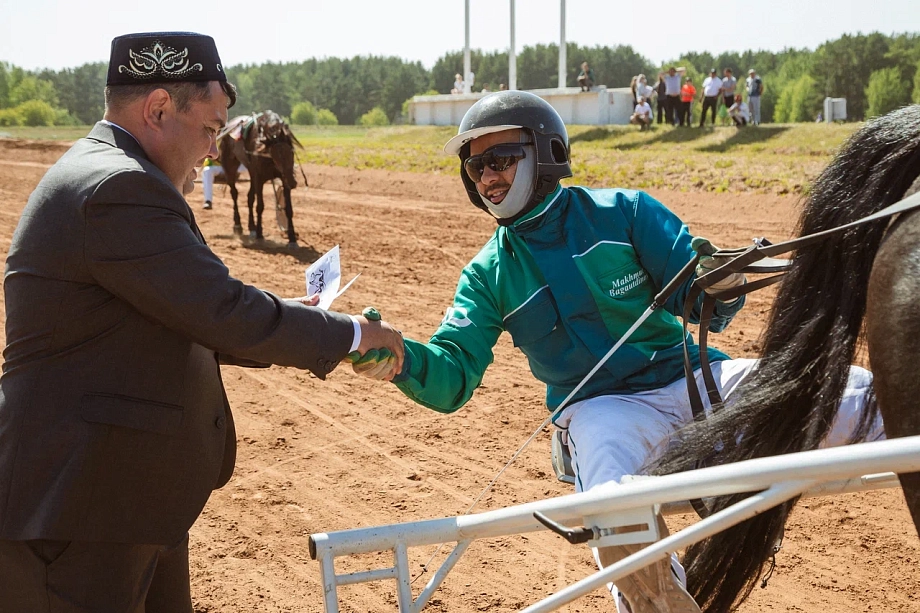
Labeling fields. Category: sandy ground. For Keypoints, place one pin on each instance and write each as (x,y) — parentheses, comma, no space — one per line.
(322,456)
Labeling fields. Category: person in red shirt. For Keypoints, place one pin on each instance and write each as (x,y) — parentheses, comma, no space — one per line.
(687,93)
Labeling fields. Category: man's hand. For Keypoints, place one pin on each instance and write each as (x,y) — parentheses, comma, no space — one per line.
(381,350)
(708,263)
(308,300)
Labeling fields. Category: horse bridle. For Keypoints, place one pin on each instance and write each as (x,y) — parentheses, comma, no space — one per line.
(271,142)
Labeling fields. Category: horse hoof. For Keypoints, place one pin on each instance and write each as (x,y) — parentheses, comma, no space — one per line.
(292,245)
(238,230)
(252,234)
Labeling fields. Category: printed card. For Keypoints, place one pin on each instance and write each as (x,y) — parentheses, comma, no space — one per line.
(324,277)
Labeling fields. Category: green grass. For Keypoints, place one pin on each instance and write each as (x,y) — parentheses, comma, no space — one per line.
(65,133)
(767,159)
(774,158)
(404,148)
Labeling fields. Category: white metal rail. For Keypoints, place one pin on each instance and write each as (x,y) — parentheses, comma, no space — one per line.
(812,473)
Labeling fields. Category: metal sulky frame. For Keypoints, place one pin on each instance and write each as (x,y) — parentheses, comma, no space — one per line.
(774,480)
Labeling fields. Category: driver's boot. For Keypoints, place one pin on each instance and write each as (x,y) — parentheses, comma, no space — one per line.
(653,589)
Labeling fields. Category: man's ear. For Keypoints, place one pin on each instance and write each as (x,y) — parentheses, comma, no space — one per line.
(158,107)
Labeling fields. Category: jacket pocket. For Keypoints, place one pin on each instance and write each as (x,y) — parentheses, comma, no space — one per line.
(533,321)
(134,413)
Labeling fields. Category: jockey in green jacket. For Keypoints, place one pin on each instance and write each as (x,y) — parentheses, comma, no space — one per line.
(566,280)
(567,272)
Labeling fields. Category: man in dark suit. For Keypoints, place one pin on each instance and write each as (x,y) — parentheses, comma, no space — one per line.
(114,424)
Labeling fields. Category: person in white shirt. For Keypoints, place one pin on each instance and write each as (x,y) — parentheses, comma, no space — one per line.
(712,86)
(739,112)
(642,115)
(458,84)
(643,89)
(729,83)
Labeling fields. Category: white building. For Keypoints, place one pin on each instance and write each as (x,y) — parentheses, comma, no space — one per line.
(600,106)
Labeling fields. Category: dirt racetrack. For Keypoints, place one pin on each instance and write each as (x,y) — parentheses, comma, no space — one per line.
(321,456)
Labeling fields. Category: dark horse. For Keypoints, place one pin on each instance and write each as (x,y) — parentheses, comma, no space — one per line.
(266,147)
(869,274)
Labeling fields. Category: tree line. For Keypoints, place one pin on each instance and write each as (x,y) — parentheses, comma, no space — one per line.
(874,72)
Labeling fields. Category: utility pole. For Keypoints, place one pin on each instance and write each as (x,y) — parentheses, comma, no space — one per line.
(562,49)
(512,57)
(467,86)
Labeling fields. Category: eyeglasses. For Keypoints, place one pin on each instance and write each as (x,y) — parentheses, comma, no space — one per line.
(498,158)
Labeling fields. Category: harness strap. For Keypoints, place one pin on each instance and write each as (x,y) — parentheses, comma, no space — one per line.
(696,402)
(757,259)
(770,250)
(708,308)
(745,260)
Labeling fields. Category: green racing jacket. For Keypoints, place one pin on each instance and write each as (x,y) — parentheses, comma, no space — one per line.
(567,281)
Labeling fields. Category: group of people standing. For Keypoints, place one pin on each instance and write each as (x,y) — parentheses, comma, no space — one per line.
(675,93)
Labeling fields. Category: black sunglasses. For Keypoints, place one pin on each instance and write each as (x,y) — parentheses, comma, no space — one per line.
(498,158)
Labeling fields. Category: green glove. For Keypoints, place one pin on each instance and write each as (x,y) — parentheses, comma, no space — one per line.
(371,314)
(708,263)
(703,246)
(376,363)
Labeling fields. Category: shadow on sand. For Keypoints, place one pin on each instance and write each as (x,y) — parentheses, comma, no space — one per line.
(745,136)
(677,135)
(302,253)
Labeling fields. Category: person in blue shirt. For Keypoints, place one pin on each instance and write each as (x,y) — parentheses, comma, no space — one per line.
(754,86)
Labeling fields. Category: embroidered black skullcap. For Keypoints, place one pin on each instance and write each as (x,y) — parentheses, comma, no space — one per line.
(164,57)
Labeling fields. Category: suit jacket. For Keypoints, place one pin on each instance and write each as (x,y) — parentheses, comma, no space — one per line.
(114,424)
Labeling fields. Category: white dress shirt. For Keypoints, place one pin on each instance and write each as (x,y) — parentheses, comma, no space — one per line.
(712,86)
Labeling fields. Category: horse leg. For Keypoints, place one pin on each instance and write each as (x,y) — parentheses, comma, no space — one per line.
(259,208)
(892,329)
(237,224)
(289,212)
(251,199)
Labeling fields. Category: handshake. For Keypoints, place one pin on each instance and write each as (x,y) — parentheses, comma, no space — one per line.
(381,350)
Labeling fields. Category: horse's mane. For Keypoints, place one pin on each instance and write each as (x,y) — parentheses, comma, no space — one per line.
(788,403)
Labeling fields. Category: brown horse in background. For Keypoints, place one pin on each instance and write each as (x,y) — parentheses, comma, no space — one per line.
(266,148)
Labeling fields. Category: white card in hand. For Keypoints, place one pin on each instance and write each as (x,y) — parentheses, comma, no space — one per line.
(324,277)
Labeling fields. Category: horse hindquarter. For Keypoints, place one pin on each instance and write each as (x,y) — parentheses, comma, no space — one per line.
(893,329)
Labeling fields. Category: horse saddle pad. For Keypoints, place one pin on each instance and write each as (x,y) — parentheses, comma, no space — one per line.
(236,126)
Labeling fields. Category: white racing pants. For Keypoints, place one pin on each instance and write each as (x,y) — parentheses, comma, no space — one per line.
(613,436)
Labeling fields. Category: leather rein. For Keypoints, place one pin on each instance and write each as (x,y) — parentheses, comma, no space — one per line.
(756,259)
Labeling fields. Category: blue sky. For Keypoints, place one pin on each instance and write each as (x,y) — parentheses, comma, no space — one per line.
(57,34)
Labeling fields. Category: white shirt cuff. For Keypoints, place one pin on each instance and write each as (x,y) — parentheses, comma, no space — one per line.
(357,340)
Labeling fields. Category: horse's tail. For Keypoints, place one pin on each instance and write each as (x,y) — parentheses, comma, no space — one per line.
(788,403)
